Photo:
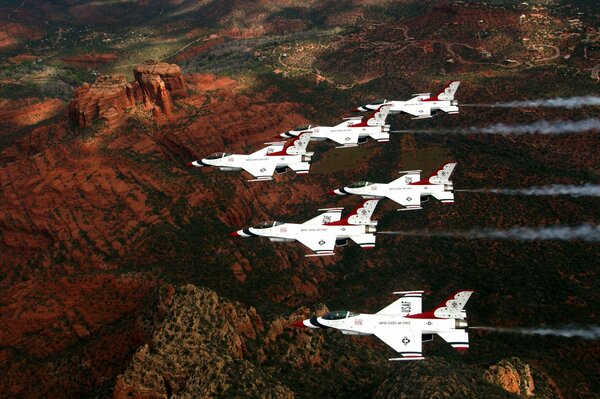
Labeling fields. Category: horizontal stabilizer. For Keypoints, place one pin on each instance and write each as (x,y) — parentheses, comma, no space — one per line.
(459,339)
(364,240)
(302,167)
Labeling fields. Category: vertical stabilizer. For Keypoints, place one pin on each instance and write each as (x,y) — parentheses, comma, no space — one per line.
(442,174)
(361,215)
(376,118)
(447,94)
(294,146)
(452,307)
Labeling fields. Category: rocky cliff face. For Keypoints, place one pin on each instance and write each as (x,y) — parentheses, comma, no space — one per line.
(438,377)
(513,375)
(199,352)
(110,97)
(210,347)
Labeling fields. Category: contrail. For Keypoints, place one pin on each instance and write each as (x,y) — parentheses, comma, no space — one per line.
(584,232)
(586,190)
(587,332)
(559,102)
(540,127)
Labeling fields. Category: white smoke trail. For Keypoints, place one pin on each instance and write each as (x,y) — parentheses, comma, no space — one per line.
(588,332)
(586,190)
(584,232)
(559,102)
(540,127)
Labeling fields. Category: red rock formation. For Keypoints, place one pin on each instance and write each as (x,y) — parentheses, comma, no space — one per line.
(110,96)
(107,99)
(170,74)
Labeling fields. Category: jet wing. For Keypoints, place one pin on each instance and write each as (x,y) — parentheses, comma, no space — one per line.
(418,111)
(408,343)
(318,242)
(406,199)
(345,138)
(260,170)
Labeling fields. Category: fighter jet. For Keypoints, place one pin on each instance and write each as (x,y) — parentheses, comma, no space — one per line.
(352,132)
(408,190)
(422,105)
(324,232)
(277,157)
(402,325)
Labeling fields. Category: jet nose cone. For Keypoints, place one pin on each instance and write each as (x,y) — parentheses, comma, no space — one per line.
(234,234)
(298,324)
(332,192)
(339,191)
(190,164)
(194,164)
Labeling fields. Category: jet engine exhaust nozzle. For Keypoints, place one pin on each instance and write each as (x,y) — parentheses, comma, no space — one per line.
(461,323)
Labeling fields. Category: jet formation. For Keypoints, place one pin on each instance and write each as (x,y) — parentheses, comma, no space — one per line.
(402,324)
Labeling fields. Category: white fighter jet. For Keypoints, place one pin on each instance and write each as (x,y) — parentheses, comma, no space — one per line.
(408,190)
(402,325)
(352,132)
(324,232)
(277,157)
(422,105)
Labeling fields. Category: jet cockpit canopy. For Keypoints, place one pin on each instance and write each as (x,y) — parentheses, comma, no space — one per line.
(339,314)
(303,127)
(218,155)
(378,101)
(360,184)
(266,225)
